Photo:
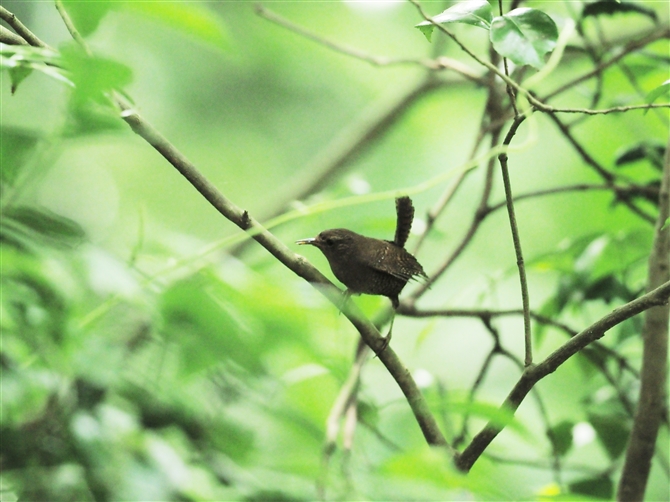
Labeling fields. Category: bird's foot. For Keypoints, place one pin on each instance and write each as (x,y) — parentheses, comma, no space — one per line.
(387,339)
(385,343)
(345,297)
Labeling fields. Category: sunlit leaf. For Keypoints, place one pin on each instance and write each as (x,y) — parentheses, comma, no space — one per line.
(190,18)
(94,76)
(91,109)
(21,60)
(201,315)
(87,14)
(661,90)
(473,12)
(524,36)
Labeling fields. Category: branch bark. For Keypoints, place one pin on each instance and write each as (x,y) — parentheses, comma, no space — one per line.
(648,417)
(534,374)
(297,264)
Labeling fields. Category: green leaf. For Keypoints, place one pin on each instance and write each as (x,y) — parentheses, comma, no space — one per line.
(612,431)
(189,18)
(94,76)
(87,14)
(524,36)
(598,487)
(473,12)
(37,301)
(204,317)
(560,436)
(608,288)
(650,150)
(661,90)
(20,60)
(610,7)
(47,225)
(17,75)
(428,465)
(91,109)
(17,145)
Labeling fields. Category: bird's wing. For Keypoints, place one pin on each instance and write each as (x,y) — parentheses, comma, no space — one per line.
(403,266)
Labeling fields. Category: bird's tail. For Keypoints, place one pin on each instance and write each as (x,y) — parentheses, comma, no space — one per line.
(405,212)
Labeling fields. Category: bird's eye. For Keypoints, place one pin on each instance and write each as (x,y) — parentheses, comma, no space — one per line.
(329,242)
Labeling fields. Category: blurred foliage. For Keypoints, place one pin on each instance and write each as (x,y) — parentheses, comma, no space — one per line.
(139,362)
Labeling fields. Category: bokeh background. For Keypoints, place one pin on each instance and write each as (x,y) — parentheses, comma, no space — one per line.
(213,379)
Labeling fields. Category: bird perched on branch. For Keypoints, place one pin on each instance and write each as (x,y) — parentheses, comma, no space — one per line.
(372,266)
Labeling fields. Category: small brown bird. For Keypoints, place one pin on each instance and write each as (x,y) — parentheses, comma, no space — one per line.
(372,266)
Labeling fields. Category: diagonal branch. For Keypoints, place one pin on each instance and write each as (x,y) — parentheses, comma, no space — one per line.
(294,262)
(534,374)
(20,28)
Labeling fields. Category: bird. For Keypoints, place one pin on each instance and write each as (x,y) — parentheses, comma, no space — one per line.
(366,265)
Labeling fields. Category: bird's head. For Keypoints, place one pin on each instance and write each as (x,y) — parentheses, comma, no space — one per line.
(336,241)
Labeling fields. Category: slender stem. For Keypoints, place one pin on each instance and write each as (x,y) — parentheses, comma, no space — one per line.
(599,169)
(534,374)
(440,63)
(20,28)
(525,301)
(71,28)
(296,263)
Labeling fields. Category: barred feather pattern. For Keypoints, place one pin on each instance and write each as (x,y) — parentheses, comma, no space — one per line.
(405,213)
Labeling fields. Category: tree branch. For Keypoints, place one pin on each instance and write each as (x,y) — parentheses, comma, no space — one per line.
(651,403)
(299,265)
(525,300)
(11,38)
(20,28)
(440,63)
(534,374)
(294,262)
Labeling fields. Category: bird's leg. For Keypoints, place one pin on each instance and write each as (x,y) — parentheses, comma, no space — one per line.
(387,339)
(345,297)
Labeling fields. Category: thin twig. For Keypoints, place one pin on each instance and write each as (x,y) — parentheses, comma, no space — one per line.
(20,28)
(534,101)
(507,184)
(602,172)
(510,90)
(480,214)
(440,63)
(450,191)
(72,28)
(296,263)
(582,187)
(657,34)
(534,374)
(605,111)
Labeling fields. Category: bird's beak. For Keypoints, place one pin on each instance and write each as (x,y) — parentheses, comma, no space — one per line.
(311,240)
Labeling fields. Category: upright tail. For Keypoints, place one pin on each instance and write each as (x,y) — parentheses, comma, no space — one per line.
(405,212)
